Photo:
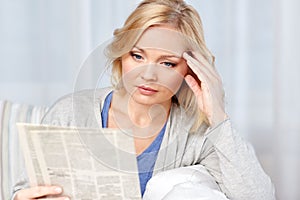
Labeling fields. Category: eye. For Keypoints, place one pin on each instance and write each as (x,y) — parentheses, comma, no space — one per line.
(169,64)
(136,56)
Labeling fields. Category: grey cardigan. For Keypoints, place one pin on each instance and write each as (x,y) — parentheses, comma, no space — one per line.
(227,157)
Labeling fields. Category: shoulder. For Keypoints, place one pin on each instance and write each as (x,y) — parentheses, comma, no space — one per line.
(72,108)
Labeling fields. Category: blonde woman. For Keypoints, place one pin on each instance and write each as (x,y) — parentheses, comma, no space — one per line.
(167,91)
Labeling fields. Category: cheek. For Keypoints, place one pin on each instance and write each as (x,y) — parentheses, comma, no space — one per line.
(130,66)
(130,69)
(174,79)
(171,80)
(126,66)
(130,74)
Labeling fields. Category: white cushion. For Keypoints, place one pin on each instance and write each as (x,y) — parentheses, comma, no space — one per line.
(192,182)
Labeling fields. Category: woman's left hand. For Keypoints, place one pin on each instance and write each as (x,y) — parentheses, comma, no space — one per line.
(208,89)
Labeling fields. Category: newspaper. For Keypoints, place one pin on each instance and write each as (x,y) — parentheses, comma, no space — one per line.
(88,163)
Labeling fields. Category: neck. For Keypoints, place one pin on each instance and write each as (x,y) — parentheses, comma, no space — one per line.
(143,115)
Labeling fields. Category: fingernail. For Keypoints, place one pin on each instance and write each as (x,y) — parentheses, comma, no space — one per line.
(189,53)
(67,198)
(58,190)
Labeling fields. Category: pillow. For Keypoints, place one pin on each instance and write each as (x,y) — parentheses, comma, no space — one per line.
(192,182)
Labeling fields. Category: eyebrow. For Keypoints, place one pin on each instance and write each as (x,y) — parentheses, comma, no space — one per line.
(163,56)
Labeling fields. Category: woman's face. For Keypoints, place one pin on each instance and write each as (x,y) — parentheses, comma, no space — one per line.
(153,71)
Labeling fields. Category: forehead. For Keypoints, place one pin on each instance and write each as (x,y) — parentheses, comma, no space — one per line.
(165,39)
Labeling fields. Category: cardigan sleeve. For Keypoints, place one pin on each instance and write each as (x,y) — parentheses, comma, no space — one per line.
(234,165)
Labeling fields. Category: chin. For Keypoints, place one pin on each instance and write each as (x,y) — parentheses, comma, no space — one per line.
(150,100)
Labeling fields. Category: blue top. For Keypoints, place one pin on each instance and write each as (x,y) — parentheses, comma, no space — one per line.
(145,160)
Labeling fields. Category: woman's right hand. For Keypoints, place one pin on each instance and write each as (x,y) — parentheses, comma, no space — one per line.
(41,192)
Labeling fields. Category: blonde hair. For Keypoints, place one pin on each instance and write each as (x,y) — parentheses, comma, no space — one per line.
(184,18)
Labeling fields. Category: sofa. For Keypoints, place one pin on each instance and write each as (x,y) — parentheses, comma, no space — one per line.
(11,159)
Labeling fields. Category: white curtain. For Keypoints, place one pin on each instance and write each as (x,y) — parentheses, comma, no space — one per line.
(256,44)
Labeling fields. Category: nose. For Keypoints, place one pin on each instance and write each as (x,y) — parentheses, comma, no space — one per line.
(149,72)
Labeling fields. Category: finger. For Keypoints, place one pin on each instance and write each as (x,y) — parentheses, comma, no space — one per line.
(195,87)
(192,60)
(197,55)
(203,75)
(55,198)
(200,64)
(192,83)
(39,191)
(202,59)
(195,69)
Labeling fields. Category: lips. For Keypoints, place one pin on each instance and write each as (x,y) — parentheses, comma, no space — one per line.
(145,90)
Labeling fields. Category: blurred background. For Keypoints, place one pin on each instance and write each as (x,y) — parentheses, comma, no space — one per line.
(256,44)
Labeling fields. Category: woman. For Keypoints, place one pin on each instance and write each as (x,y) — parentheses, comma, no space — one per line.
(167,91)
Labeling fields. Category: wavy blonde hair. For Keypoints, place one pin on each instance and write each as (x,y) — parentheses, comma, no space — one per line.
(184,18)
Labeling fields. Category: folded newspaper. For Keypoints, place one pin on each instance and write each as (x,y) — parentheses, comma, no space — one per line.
(88,163)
